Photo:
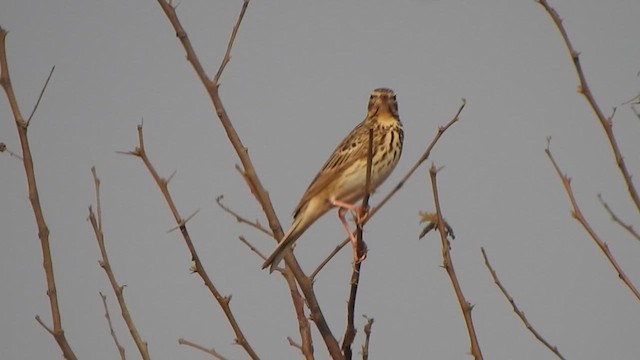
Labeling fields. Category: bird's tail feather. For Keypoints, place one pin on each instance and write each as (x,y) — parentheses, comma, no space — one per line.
(285,244)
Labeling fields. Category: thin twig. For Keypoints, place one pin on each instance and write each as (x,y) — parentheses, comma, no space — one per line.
(617,220)
(367,337)
(293,343)
(294,276)
(350,332)
(232,39)
(111,331)
(223,301)
(239,218)
(374,210)
(517,310)
(34,199)
(44,87)
(96,185)
(3,148)
(465,306)
(183,221)
(96,224)
(577,214)
(210,351)
(635,112)
(252,248)
(583,88)
(39,320)
(329,257)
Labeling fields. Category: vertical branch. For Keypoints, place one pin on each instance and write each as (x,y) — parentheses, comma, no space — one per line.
(34,198)
(350,332)
(367,337)
(448,265)
(583,88)
(96,224)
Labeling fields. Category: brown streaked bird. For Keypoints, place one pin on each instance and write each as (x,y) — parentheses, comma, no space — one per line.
(342,180)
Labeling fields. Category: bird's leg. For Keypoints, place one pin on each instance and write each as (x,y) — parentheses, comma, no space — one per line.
(359,254)
(355,209)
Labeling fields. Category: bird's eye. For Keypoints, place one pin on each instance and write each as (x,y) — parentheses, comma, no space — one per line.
(371,97)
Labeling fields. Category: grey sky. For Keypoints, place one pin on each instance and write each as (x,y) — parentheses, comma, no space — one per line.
(298,81)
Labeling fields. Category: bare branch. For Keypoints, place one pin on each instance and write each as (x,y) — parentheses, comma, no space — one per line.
(465,306)
(34,198)
(44,87)
(223,301)
(293,343)
(49,330)
(252,248)
(617,220)
(111,331)
(294,274)
(210,351)
(516,310)
(183,221)
(232,39)
(96,184)
(3,148)
(583,88)
(239,218)
(329,257)
(96,224)
(367,337)
(577,214)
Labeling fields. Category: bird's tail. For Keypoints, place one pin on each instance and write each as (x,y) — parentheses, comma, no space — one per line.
(296,229)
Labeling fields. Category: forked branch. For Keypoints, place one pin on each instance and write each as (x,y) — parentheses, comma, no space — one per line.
(34,198)
(223,301)
(617,219)
(96,224)
(577,214)
(583,88)
(294,274)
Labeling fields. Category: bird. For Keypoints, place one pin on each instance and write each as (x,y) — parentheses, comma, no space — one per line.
(342,180)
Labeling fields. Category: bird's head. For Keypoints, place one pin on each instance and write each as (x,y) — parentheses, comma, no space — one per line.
(383,102)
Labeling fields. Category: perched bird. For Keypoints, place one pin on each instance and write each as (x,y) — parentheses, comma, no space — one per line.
(342,180)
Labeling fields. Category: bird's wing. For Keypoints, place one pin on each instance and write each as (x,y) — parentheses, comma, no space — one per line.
(350,149)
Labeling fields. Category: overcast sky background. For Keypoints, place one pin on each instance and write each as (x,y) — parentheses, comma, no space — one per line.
(298,82)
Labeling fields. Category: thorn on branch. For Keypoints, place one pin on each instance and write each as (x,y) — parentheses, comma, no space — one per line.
(44,325)
(293,343)
(171,177)
(3,148)
(183,222)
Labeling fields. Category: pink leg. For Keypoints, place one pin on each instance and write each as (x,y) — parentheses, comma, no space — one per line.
(355,209)
(358,254)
